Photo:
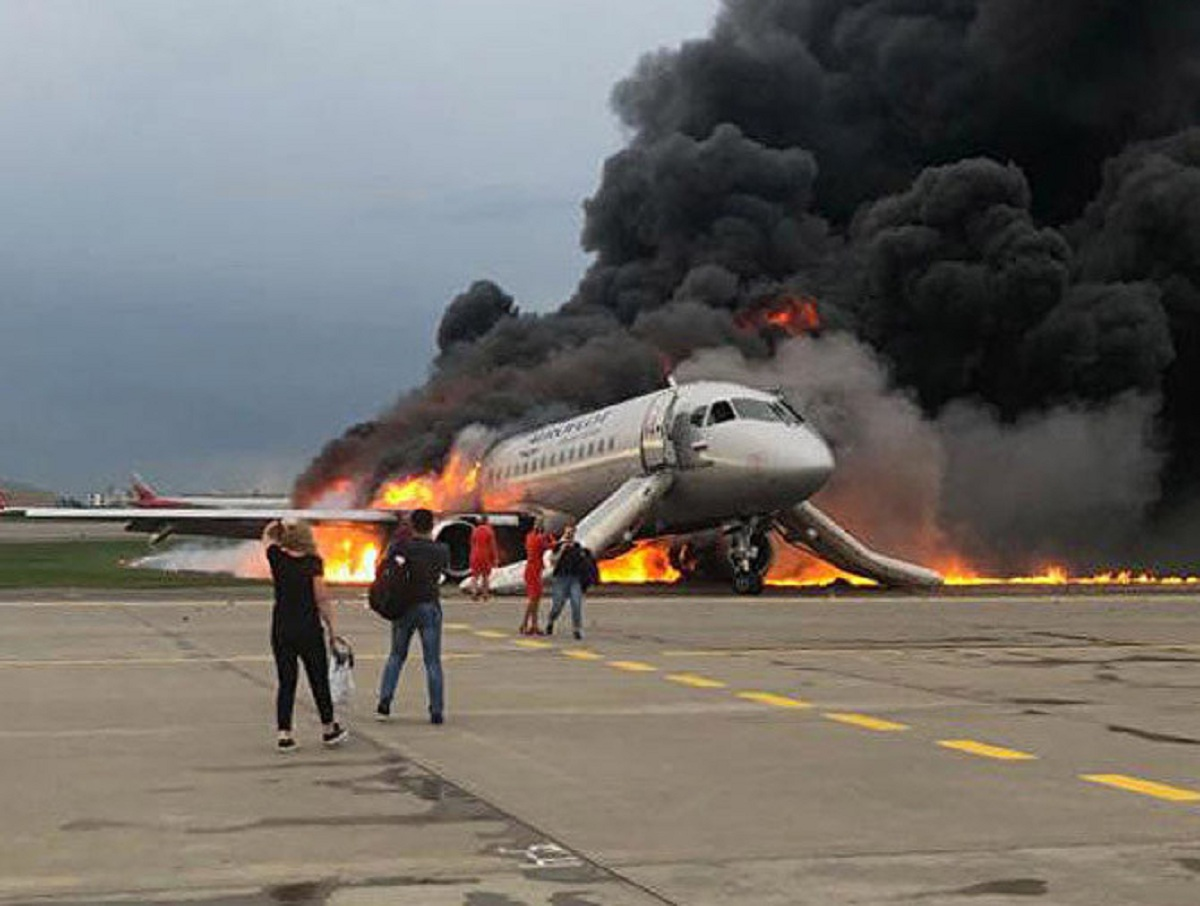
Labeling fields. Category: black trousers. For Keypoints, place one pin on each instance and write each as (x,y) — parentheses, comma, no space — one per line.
(309,647)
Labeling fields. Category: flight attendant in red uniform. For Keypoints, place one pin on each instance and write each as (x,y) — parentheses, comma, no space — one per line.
(537,542)
(485,557)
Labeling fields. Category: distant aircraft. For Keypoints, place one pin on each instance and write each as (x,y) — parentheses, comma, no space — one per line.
(146,497)
(692,457)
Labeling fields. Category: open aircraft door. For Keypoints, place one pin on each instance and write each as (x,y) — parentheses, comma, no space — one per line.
(658,448)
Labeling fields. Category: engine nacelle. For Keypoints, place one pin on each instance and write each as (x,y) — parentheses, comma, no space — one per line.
(456,535)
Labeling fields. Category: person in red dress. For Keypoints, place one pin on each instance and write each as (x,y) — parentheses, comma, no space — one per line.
(537,542)
(485,557)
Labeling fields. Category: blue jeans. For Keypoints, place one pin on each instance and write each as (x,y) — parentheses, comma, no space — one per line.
(426,619)
(562,588)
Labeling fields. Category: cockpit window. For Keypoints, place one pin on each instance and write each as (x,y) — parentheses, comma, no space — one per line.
(756,410)
(698,417)
(721,411)
(787,413)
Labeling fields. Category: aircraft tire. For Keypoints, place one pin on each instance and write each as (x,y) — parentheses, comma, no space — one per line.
(747,583)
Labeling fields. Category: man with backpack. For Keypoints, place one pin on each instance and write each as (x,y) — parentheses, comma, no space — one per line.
(405,591)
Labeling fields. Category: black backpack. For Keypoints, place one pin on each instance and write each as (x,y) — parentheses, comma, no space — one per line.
(591,571)
(390,594)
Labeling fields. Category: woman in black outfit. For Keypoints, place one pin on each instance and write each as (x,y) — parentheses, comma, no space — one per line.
(301,606)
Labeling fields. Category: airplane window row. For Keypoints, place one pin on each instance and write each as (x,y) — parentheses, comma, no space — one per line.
(549,460)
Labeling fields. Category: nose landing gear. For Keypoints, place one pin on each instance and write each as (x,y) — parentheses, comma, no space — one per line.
(750,556)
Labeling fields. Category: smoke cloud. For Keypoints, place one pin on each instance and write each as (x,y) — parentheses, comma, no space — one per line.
(995,203)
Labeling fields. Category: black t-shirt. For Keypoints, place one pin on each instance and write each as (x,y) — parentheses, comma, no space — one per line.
(427,560)
(295,597)
(571,560)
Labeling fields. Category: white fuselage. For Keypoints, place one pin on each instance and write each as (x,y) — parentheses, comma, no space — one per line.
(736,453)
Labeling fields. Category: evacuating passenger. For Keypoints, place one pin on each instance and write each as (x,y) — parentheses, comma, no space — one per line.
(484,558)
(426,560)
(537,542)
(301,607)
(574,572)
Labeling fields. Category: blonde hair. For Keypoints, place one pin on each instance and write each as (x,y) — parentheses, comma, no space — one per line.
(298,536)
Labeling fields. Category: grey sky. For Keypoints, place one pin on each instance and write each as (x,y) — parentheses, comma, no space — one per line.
(227,229)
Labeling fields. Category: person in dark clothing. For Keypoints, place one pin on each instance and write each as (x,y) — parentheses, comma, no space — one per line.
(301,607)
(426,561)
(574,571)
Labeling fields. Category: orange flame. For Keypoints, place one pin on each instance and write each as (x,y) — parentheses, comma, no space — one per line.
(794,315)
(648,561)
(349,553)
(452,488)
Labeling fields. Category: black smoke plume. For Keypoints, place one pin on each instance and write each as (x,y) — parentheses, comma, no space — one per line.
(998,197)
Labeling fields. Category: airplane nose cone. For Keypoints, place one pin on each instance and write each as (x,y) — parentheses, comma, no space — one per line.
(808,463)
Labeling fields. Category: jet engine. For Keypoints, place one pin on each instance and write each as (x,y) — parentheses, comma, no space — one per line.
(456,535)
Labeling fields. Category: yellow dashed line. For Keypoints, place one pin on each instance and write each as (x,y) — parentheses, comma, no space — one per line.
(971,747)
(1145,787)
(633,666)
(456,627)
(865,721)
(533,643)
(491,634)
(697,682)
(777,701)
(582,654)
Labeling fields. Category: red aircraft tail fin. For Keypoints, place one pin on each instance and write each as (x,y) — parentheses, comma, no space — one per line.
(142,491)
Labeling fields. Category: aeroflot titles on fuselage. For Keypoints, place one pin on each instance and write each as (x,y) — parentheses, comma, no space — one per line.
(568,429)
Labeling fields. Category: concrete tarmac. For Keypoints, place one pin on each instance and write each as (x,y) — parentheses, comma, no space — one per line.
(698,750)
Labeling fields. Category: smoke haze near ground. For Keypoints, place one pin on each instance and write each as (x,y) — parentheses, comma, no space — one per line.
(997,205)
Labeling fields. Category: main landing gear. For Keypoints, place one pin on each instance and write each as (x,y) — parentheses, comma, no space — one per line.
(749,555)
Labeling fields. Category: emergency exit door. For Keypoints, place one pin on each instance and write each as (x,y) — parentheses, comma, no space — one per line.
(658,450)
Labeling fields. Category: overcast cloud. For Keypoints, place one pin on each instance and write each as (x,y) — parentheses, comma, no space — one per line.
(227,229)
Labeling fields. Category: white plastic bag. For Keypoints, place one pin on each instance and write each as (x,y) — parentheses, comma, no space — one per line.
(341,671)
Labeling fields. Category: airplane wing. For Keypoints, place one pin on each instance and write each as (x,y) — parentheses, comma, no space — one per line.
(231,523)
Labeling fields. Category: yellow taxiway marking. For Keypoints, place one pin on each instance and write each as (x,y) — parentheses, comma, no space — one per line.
(456,627)
(633,666)
(971,747)
(582,654)
(1145,787)
(697,682)
(533,643)
(491,634)
(770,698)
(865,721)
